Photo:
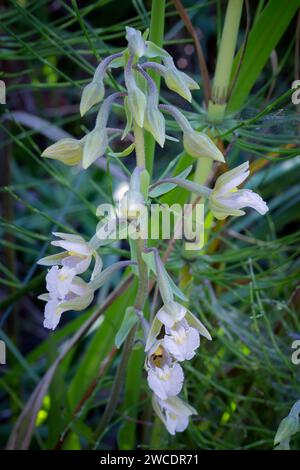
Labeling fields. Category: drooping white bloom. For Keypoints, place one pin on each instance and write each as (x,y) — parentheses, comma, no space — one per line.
(174,413)
(59,281)
(52,314)
(226,199)
(69,293)
(181,341)
(166,381)
(78,254)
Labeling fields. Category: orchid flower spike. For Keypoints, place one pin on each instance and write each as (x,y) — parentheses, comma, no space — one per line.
(225,199)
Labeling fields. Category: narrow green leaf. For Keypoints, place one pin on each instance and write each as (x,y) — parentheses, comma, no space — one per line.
(263,38)
(130,319)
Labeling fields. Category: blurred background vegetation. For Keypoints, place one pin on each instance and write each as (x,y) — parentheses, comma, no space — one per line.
(245,282)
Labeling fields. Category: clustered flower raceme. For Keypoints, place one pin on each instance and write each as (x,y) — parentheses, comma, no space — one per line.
(174,337)
(175,332)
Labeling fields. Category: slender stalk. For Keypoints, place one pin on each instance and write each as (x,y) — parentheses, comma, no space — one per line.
(217,105)
(139,145)
(116,388)
(127,348)
(140,300)
(156,35)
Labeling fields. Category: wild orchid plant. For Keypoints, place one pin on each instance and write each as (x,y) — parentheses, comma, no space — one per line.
(174,335)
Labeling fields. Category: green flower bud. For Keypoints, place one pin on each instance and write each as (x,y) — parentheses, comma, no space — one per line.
(178,81)
(94,146)
(92,94)
(137,104)
(155,124)
(198,144)
(175,83)
(136,43)
(69,151)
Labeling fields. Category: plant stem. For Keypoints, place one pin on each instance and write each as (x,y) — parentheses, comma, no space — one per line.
(116,388)
(140,300)
(156,35)
(217,105)
(127,348)
(139,145)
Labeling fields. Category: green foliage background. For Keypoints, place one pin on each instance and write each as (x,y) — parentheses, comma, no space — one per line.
(245,283)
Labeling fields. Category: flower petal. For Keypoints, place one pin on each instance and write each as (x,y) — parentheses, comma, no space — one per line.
(231,179)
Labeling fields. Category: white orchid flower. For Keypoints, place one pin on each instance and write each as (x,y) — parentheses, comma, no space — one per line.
(158,356)
(170,314)
(69,293)
(59,281)
(181,341)
(78,254)
(226,199)
(174,413)
(166,381)
(52,313)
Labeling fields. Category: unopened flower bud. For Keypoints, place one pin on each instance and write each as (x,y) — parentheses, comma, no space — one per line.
(155,124)
(198,144)
(178,81)
(137,105)
(92,94)
(94,146)
(136,43)
(69,151)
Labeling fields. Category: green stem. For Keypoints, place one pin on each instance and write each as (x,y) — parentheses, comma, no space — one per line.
(127,348)
(156,35)
(116,388)
(217,105)
(139,305)
(139,145)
